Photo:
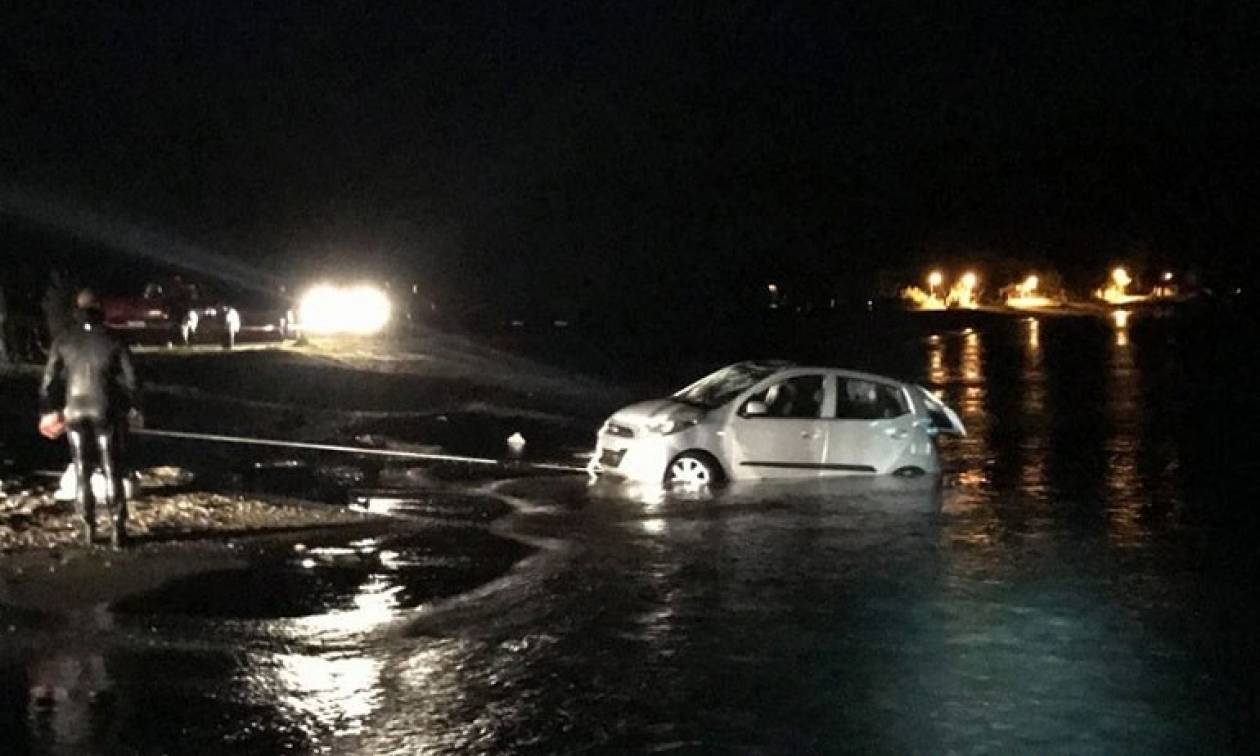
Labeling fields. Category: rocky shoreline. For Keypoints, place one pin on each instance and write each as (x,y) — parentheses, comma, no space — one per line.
(165,509)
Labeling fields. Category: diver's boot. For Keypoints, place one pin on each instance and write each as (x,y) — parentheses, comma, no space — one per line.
(114,496)
(87,532)
(85,508)
(118,538)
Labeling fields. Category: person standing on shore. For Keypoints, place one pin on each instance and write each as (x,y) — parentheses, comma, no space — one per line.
(90,385)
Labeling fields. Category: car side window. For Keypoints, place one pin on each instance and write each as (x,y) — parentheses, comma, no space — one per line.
(800,396)
(858,399)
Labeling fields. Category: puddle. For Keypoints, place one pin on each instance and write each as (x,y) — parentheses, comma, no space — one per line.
(419,504)
(412,569)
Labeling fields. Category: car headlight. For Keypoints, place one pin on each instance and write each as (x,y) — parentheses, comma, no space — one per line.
(666,427)
(328,309)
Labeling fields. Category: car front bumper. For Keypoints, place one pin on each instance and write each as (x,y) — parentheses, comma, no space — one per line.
(640,459)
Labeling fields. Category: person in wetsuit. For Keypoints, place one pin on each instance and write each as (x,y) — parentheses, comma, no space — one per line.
(90,380)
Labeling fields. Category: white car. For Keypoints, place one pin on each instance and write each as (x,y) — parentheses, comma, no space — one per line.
(754,420)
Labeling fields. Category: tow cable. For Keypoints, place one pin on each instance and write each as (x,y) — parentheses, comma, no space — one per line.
(340,449)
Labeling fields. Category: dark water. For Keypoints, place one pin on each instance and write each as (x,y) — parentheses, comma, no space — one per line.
(1080,582)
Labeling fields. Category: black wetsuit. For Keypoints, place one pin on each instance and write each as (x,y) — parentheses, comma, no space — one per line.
(90,378)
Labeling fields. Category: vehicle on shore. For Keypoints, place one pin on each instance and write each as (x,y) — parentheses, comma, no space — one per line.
(755,420)
(174,312)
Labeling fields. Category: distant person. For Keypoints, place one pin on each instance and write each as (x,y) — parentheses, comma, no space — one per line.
(90,385)
(182,312)
(231,326)
(188,326)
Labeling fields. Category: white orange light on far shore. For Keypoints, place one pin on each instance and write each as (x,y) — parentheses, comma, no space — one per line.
(1027,297)
(1117,290)
(935,278)
(963,293)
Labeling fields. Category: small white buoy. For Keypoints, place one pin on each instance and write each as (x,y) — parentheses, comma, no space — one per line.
(516,442)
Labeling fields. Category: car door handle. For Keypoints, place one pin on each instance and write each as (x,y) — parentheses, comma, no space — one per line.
(896,433)
(810,434)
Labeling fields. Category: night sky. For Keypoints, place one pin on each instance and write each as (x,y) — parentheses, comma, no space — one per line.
(582,153)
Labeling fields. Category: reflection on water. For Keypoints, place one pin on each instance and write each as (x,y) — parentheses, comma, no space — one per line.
(956,371)
(1034,334)
(70,686)
(937,374)
(1032,411)
(1043,598)
(1122,328)
(336,692)
(1124,407)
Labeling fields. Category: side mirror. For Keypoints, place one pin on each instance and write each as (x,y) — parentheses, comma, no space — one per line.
(755,408)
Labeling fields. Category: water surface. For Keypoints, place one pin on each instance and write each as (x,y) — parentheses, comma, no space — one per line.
(1078,582)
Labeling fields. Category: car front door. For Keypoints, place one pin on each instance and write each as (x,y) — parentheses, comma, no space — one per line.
(871,426)
(778,431)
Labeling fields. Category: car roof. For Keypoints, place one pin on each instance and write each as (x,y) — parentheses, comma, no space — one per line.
(847,373)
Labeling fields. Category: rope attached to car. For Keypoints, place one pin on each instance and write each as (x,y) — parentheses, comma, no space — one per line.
(359,450)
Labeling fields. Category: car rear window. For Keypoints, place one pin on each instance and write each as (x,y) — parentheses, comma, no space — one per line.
(860,399)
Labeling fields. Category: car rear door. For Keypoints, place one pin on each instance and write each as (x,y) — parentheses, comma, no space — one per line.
(788,438)
(870,427)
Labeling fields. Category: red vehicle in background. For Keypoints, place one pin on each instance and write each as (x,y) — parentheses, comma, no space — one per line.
(175,312)
(152,313)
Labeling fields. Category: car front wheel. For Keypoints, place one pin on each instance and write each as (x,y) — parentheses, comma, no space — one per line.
(693,470)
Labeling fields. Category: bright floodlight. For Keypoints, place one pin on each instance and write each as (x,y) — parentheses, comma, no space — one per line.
(969,280)
(327,309)
(935,278)
(1031,283)
(1121,278)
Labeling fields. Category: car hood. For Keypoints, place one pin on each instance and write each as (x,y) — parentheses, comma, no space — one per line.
(656,410)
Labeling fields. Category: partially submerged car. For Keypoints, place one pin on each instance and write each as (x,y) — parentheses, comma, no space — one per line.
(754,420)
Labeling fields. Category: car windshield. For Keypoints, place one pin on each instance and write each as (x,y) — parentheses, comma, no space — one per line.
(718,388)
